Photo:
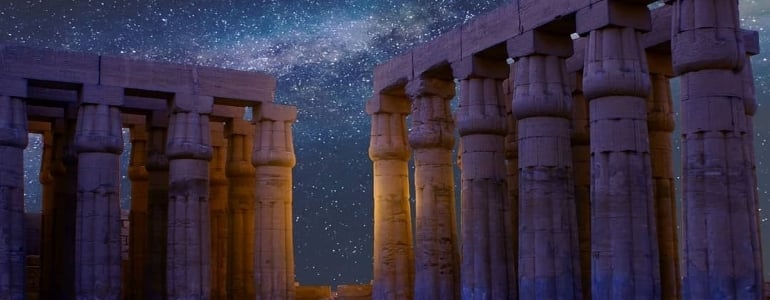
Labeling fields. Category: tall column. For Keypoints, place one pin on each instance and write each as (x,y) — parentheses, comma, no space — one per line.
(273,157)
(47,240)
(488,269)
(512,171)
(218,198)
(138,234)
(542,103)
(98,142)
(660,121)
(157,206)
(751,106)
(720,257)
(389,152)
(241,211)
(13,140)
(437,270)
(616,83)
(188,252)
(581,166)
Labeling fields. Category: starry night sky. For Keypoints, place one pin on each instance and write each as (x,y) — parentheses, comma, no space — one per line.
(322,54)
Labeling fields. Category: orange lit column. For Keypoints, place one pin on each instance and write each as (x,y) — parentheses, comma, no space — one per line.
(47,226)
(512,171)
(218,199)
(157,206)
(389,152)
(138,236)
(13,140)
(273,157)
(241,209)
(188,269)
(437,262)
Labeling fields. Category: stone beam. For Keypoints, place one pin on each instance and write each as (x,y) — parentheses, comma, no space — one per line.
(392,76)
(46,64)
(146,75)
(484,32)
(235,84)
(434,57)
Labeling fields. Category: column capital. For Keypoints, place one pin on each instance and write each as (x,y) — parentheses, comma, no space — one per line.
(535,42)
(616,64)
(477,67)
(541,88)
(273,143)
(13,122)
(388,139)
(189,136)
(432,122)
(388,104)
(98,129)
(101,94)
(660,116)
(481,109)
(706,35)
(240,141)
(605,13)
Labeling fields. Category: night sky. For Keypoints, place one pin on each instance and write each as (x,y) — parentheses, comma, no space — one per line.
(322,54)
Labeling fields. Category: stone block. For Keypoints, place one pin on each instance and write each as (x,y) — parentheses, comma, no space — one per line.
(132,120)
(217,134)
(144,103)
(660,31)
(192,103)
(101,94)
(577,60)
(275,112)
(38,126)
(51,94)
(357,292)
(13,86)
(490,29)
(534,42)
(536,13)
(313,292)
(388,104)
(158,118)
(393,74)
(751,42)
(235,84)
(239,127)
(227,112)
(438,53)
(613,13)
(45,112)
(472,66)
(658,63)
(146,75)
(46,64)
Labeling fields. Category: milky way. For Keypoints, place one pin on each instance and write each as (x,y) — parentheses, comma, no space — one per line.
(323,54)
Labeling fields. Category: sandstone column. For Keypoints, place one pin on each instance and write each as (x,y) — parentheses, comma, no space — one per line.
(437,271)
(98,142)
(660,121)
(751,106)
(241,209)
(488,270)
(188,149)
(720,257)
(138,234)
(389,152)
(273,157)
(13,140)
(157,206)
(47,240)
(542,103)
(581,166)
(512,170)
(218,198)
(616,84)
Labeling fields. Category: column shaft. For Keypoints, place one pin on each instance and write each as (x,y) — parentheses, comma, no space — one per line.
(437,271)
(219,222)
(139,232)
(581,165)
(157,209)
(13,140)
(512,175)
(47,227)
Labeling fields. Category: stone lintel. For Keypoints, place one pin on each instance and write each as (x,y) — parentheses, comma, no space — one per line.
(491,29)
(237,126)
(536,13)
(132,120)
(388,104)
(658,63)
(660,33)
(275,112)
(145,103)
(577,60)
(393,74)
(751,42)
(192,103)
(473,66)
(600,14)
(235,84)
(50,94)
(46,64)
(38,126)
(13,86)
(225,112)
(45,112)
(157,119)
(534,42)
(146,75)
(217,134)
(439,52)
(101,94)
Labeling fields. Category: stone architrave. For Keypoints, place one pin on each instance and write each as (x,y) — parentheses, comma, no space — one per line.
(99,143)
(13,140)
(157,206)
(241,209)
(488,269)
(188,269)
(273,157)
(721,251)
(138,234)
(661,123)
(218,206)
(548,241)
(624,242)
(581,165)
(389,152)
(437,269)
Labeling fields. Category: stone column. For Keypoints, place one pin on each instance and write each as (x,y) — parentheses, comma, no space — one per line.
(241,210)
(47,243)
(389,152)
(273,157)
(542,103)
(157,206)
(98,142)
(219,222)
(616,83)
(188,269)
(661,123)
(751,106)
(720,257)
(437,270)
(138,234)
(581,166)
(13,140)
(512,170)
(488,269)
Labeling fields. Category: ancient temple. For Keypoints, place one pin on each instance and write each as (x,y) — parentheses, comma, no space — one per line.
(564,129)
(192,235)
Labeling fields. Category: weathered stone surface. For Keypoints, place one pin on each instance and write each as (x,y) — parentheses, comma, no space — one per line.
(581,165)
(218,192)
(138,233)
(45,64)
(354,292)
(313,292)
(157,223)
(512,171)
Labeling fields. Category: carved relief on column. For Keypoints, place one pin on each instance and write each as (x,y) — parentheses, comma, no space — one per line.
(661,123)
(616,83)
(581,165)
(721,257)
(389,152)
(241,209)
(218,207)
(155,282)
(437,270)
(548,241)
(138,233)
(273,157)
(98,142)
(13,140)
(488,268)
(188,269)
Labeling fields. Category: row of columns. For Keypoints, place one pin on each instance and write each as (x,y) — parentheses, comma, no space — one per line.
(197,188)
(589,179)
